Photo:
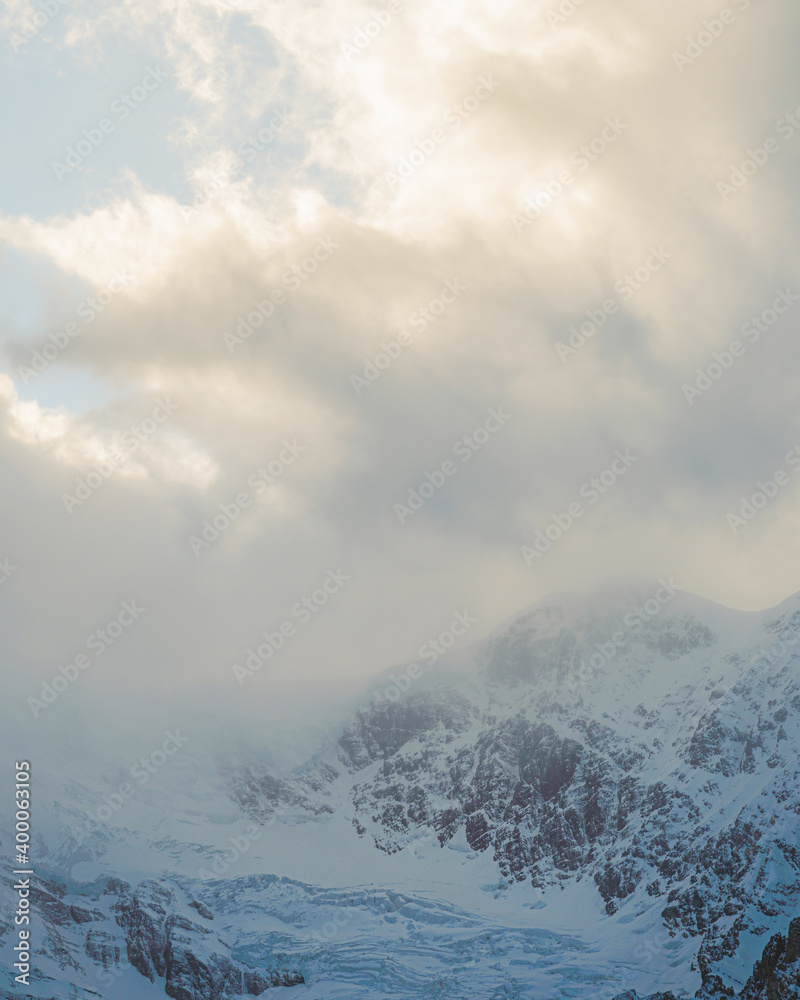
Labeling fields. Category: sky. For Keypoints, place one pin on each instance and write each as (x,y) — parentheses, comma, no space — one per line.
(321,322)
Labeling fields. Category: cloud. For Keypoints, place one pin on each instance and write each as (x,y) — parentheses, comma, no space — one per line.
(409,165)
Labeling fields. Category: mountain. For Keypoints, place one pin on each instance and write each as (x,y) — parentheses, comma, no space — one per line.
(600,799)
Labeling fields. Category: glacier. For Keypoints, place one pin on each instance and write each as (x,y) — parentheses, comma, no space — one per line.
(599,799)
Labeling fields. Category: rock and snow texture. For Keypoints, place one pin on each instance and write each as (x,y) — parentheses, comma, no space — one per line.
(600,797)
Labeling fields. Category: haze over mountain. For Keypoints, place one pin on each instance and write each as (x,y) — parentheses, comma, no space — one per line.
(599,796)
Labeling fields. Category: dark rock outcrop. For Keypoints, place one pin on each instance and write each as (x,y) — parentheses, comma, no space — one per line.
(144,927)
(189,957)
(776,975)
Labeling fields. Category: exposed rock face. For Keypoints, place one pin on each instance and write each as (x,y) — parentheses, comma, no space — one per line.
(640,754)
(380,731)
(621,742)
(145,925)
(633,995)
(103,947)
(143,914)
(202,909)
(793,942)
(263,796)
(47,896)
(189,957)
(776,975)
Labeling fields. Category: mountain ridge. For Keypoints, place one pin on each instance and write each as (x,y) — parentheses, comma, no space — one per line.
(618,769)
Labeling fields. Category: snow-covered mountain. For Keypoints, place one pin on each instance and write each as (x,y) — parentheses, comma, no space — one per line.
(600,797)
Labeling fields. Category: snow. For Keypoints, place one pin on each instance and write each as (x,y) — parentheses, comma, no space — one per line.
(307,892)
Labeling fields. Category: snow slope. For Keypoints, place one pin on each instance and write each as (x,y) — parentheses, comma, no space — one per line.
(599,796)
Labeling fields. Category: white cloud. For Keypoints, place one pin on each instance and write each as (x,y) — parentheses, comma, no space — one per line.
(451,218)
